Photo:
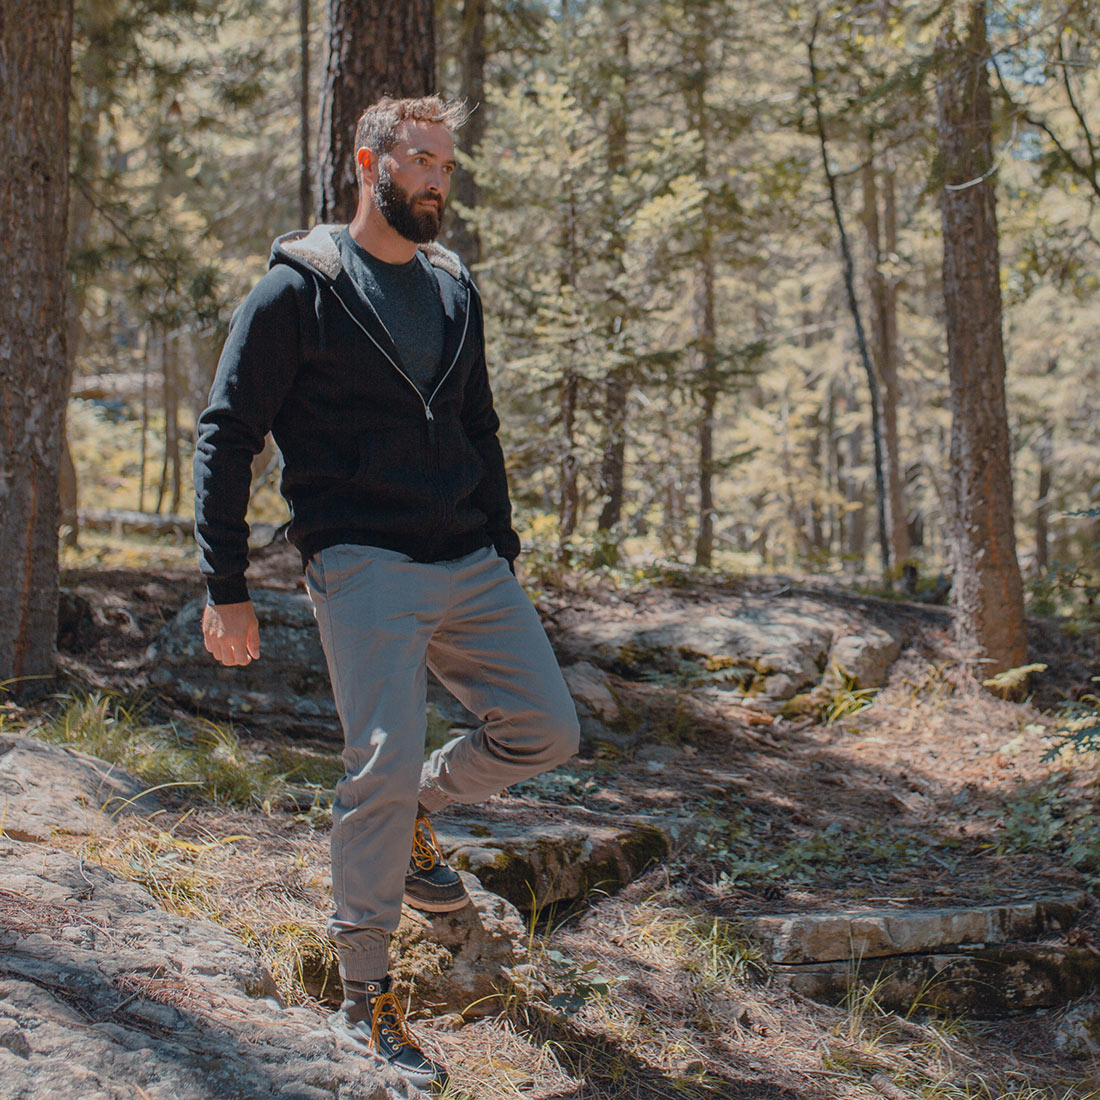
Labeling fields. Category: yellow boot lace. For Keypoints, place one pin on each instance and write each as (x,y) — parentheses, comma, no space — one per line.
(425,850)
(388,1019)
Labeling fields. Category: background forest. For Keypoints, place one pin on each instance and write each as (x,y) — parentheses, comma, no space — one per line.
(647,213)
(746,269)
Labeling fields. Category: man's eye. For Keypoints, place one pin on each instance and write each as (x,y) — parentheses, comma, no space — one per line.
(448,169)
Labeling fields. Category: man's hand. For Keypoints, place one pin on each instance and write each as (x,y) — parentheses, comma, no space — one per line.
(231,632)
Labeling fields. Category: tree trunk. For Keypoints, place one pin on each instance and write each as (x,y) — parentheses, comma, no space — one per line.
(1044,451)
(1044,448)
(882,293)
(86,160)
(35,54)
(987,594)
(374,49)
(853,305)
(568,493)
(463,237)
(705,322)
(143,447)
(305,174)
(170,481)
(855,546)
(617,385)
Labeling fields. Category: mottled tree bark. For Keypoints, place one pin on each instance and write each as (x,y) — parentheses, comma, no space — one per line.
(374,49)
(987,594)
(462,236)
(35,52)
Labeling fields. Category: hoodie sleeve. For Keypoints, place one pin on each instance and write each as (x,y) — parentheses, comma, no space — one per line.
(480,421)
(256,370)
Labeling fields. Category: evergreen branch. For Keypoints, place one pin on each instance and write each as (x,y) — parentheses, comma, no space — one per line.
(1068,84)
(1092,178)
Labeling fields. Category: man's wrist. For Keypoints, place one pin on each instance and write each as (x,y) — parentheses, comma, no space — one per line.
(227,589)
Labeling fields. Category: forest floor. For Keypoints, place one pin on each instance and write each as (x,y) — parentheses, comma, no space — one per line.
(930,792)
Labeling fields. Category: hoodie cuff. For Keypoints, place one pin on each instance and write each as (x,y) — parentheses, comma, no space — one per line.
(227,589)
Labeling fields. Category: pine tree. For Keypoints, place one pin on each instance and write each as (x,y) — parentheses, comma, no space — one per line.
(35,57)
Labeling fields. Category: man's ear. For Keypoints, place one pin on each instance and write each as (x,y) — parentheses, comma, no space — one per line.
(365,160)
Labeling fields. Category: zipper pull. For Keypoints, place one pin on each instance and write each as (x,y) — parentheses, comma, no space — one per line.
(428,413)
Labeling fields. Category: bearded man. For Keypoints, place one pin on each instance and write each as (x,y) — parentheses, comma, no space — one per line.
(362,352)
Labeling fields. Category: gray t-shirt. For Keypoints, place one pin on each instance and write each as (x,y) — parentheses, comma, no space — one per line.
(406,299)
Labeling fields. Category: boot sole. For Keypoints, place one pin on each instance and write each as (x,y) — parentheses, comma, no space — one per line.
(428,906)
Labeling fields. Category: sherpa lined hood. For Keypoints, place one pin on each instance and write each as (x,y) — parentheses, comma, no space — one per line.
(316,250)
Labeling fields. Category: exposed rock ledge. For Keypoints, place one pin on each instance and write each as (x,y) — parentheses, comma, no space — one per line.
(104,995)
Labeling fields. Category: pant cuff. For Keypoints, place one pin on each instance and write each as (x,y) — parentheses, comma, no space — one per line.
(433,800)
(366,965)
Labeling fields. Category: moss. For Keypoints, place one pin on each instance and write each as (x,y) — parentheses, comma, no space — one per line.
(480,830)
(801,706)
(512,877)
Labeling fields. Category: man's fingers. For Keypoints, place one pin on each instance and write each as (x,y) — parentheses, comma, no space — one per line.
(231,633)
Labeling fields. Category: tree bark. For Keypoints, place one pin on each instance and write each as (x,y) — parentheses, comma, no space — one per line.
(35,55)
(987,593)
(463,237)
(305,173)
(374,49)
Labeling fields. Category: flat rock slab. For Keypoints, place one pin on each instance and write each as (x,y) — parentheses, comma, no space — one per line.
(866,934)
(45,789)
(987,984)
(771,647)
(288,686)
(533,867)
(104,995)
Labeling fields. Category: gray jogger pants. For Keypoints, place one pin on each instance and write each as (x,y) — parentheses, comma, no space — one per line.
(383,619)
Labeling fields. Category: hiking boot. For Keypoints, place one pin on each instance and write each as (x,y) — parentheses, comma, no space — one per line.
(430,884)
(374,1025)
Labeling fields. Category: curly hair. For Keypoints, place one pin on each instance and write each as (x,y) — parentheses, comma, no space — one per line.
(378,124)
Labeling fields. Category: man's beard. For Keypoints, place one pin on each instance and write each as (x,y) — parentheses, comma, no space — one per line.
(400,211)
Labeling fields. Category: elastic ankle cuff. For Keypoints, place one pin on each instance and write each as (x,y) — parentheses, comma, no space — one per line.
(370,965)
(431,801)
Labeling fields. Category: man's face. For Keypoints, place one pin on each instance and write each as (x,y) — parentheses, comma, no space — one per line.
(414,180)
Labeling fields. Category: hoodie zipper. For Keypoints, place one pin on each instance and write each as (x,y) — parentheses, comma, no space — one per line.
(428,414)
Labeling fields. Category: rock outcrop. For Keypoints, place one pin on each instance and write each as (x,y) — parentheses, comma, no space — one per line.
(750,644)
(103,994)
(985,960)
(51,788)
(560,862)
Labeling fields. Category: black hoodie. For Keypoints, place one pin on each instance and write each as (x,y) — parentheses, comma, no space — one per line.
(367,458)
